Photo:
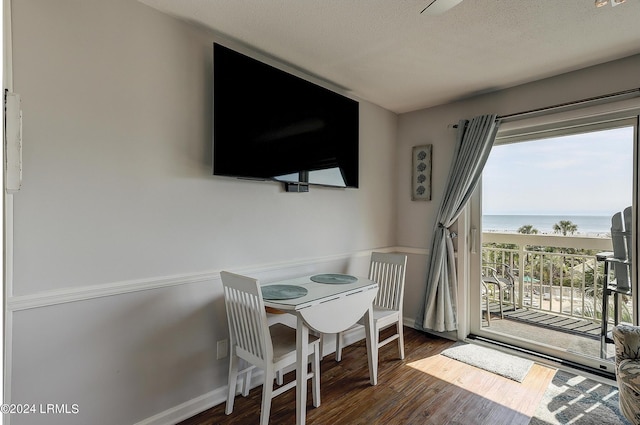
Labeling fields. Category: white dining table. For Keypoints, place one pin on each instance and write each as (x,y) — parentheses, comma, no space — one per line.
(327,308)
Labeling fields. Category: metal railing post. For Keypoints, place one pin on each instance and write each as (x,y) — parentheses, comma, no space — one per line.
(521,275)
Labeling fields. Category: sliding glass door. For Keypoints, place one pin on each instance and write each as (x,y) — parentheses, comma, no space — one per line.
(541,219)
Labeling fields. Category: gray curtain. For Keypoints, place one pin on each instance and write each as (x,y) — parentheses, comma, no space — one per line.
(473,145)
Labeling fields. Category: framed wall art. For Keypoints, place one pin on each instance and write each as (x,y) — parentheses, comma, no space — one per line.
(421,175)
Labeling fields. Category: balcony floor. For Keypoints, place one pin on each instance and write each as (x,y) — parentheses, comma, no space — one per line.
(569,334)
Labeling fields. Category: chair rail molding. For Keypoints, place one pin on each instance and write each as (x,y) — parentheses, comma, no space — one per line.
(264,272)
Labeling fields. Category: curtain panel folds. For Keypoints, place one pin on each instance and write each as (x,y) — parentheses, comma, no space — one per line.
(473,145)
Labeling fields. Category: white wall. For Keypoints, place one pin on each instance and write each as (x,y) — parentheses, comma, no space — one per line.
(416,219)
(120,227)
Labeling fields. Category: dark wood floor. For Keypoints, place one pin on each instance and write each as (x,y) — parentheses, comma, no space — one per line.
(425,388)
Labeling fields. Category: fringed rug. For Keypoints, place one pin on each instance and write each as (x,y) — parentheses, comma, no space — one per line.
(494,361)
(572,399)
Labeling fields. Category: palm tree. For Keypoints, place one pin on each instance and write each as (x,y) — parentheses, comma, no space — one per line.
(528,229)
(564,227)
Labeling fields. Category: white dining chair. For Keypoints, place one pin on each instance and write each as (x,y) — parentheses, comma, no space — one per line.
(269,348)
(388,271)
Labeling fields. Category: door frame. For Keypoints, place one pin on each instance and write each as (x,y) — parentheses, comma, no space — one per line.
(469,223)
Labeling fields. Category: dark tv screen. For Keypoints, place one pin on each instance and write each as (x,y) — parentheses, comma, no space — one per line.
(272,125)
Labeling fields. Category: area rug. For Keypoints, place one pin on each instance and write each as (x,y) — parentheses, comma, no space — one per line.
(572,399)
(494,361)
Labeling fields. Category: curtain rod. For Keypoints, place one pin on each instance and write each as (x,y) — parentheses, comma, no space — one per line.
(591,100)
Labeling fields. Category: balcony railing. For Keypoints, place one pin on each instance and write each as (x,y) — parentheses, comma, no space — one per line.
(553,274)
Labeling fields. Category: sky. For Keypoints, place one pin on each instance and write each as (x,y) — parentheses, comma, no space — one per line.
(583,174)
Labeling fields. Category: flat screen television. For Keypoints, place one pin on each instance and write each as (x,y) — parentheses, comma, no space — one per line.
(271,125)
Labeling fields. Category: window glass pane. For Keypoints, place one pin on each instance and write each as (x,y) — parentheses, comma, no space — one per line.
(546,205)
(586,174)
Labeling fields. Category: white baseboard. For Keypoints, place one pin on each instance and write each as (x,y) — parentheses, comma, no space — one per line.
(213,398)
(187,409)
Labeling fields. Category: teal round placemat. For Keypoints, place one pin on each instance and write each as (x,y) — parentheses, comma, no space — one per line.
(282,292)
(335,278)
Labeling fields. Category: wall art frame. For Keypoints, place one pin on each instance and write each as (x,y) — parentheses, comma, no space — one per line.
(421,175)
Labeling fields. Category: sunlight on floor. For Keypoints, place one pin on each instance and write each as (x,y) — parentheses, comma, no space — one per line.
(490,386)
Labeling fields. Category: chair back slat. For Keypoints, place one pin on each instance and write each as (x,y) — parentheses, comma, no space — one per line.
(248,327)
(388,271)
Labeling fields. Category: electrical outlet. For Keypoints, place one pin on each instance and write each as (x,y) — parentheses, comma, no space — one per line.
(222,349)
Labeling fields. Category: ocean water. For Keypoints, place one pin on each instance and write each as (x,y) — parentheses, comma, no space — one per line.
(587,224)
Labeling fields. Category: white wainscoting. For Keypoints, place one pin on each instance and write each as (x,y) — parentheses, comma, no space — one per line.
(354,263)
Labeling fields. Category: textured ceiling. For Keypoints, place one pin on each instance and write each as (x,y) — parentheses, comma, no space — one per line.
(387,52)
